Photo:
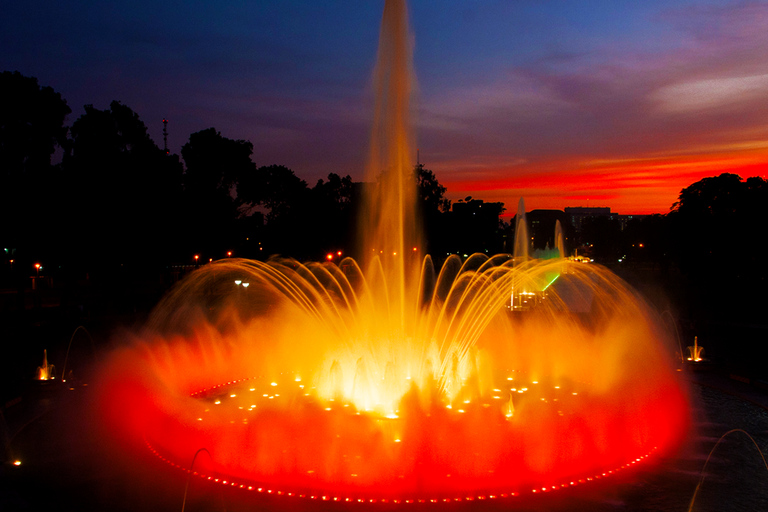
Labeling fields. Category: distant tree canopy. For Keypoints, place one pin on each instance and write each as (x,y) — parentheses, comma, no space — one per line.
(31,124)
(215,165)
(122,190)
(719,225)
(430,192)
(717,217)
(31,129)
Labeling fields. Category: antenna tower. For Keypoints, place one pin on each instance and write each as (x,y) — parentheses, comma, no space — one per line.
(165,136)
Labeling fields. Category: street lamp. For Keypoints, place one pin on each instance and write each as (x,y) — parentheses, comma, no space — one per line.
(37,269)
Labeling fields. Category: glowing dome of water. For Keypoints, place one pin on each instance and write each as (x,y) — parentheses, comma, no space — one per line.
(303,383)
(392,380)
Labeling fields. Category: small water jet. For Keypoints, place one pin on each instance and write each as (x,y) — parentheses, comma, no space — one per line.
(45,371)
(695,352)
(391,379)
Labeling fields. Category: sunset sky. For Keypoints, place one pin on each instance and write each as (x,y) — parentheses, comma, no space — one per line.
(591,103)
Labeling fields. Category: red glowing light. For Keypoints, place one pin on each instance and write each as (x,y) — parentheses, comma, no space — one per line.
(329,256)
(276,430)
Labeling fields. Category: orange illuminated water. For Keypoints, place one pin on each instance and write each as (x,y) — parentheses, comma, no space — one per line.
(392,379)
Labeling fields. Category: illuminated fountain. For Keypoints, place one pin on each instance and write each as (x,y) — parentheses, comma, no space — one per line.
(45,371)
(391,380)
(695,352)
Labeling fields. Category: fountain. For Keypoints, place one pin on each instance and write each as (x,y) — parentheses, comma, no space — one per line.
(45,371)
(695,352)
(391,379)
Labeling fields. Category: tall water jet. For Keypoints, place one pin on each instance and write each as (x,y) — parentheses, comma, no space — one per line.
(520,251)
(389,226)
(559,239)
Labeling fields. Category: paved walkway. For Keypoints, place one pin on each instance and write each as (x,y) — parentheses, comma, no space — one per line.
(753,391)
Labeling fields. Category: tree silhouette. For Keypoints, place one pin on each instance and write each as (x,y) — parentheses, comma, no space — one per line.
(31,129)
(122,190)
(432,208)
(430,192)
(31,124)
(717,224)
(215,165)
(330,219)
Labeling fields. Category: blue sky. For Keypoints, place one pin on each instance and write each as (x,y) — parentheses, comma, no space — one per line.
(568,103)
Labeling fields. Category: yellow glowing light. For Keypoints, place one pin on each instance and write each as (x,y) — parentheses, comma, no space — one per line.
(17,463)
(273,384)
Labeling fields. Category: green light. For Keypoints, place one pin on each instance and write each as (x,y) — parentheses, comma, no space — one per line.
(550,283)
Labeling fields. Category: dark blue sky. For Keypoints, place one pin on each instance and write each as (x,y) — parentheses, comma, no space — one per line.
(617,103)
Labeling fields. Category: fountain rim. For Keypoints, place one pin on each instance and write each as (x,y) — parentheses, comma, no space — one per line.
(258,487)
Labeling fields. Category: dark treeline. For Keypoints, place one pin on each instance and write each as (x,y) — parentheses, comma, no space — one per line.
(114,199)
(713,242)
(98,202)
